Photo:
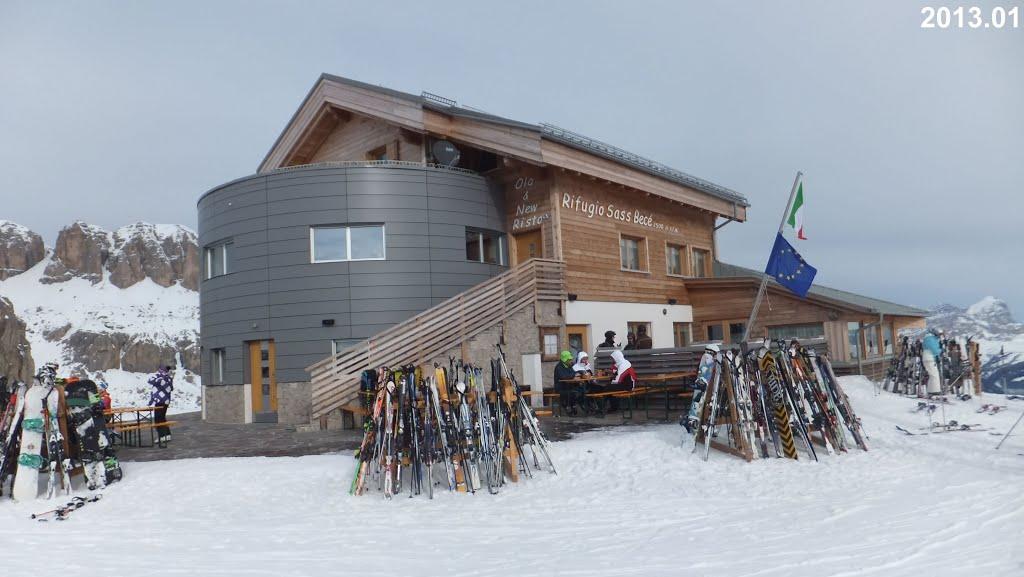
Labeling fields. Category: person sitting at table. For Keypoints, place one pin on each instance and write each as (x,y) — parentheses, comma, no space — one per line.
(583,368)
(162,384)
(566,389)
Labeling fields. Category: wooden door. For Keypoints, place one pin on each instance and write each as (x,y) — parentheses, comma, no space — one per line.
(529,245)
(577,337)
(263,380)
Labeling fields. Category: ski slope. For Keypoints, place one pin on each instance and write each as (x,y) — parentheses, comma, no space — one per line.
(628,500)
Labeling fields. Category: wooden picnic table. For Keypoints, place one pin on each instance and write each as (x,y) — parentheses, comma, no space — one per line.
(131,431)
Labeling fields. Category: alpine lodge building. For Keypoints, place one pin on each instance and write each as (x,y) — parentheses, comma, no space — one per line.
(386,228)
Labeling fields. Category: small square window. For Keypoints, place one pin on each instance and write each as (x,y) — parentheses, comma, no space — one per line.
(549,343)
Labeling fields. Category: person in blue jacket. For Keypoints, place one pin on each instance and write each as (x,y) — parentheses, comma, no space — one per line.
(931,352)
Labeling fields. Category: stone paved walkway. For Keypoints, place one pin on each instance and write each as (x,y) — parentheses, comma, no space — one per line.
(193,438)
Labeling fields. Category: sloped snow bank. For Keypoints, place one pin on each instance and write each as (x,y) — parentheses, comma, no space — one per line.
(627,501)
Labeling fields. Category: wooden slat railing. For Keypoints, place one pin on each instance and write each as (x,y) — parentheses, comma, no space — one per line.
(436,330)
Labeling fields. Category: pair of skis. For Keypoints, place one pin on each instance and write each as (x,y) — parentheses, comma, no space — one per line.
(63,512)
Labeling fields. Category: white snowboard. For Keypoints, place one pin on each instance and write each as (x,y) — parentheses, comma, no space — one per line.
(26,480)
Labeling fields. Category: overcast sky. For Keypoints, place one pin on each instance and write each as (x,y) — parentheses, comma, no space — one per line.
(912,141)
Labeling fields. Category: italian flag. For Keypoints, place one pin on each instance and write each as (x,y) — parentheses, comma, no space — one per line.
(796,215)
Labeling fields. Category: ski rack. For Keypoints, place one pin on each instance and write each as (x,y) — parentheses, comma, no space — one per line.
(440,426)
(764,403)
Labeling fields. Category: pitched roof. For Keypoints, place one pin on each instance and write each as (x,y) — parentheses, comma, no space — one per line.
(872,305)
(549,132)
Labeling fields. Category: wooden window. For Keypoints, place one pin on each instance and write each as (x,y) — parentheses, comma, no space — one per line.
(736,332)
(633,253)
(379,153)
(345,243)
(716,332)
(674,264)
(577,336)
(701,263)
(799,332)
(887,344)
(549,343)
(681,334)
(871,341)
(853,334)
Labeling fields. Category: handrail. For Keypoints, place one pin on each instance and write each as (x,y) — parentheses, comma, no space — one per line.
(335,380)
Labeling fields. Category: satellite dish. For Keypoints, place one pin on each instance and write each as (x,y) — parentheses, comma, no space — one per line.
(445,153)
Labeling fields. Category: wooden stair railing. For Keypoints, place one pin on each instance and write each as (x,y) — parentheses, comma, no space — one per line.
(335,380)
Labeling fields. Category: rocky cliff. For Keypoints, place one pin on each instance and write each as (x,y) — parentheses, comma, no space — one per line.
(165,254)
(109,305)
(15,351)
(20,249)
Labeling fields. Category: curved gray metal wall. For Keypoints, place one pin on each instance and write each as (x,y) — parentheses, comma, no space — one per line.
(272,291)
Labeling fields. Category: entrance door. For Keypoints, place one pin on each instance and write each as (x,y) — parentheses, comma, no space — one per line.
(529,245)
(262,368)
(577,336)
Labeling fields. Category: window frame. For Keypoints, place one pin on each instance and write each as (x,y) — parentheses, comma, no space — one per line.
(218,359)
(348,242)
(693,261)
(684,260)
(686,330)
(501,237)
(643,254)
(210,253)
(542,333)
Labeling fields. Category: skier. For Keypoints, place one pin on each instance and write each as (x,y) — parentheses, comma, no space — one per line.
(700,385)
(643,340)
(609,341)
(162,384)
(563,374)
(930,354)
(105,396)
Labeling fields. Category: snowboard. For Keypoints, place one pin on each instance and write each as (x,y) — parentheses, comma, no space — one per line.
(30,459)
(9,434)
(89,430)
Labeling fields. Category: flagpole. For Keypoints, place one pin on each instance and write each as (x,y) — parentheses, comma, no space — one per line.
(764,277)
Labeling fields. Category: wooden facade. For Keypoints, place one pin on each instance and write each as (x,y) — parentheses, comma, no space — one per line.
(583,207)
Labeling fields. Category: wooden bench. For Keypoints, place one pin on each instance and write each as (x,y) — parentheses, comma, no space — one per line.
(130,427)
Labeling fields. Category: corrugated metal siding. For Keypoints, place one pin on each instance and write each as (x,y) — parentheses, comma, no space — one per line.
(273,287)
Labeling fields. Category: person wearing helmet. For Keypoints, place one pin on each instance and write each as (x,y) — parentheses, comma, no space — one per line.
(700,385)
(930,353)
(564,385)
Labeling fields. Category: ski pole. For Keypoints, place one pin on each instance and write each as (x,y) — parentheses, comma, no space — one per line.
(1007,435)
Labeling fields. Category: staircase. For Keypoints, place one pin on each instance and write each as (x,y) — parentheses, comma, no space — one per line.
(436,330)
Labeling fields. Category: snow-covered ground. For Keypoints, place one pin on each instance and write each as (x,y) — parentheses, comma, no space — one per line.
(627,501)
(145,310)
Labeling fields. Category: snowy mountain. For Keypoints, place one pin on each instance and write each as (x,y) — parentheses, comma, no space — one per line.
(999,334)
(110,305)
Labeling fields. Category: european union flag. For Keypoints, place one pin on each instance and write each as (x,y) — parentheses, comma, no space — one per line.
(789,269)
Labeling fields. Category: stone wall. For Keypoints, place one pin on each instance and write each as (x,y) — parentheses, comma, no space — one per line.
(225,403)
(294,403)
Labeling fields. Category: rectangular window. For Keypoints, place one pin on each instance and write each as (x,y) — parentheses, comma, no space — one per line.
(486,246)
(217,366)
(681,334)
(632,253)
(853,334)
(379,153)
(216,259)
(887,345)
(345,243)
(549,343)
(701,260)
(339,345)
(798,332)
(871,341)
(674,259)
(736,332)
(715,332)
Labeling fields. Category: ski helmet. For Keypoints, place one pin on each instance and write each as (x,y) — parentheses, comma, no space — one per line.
(712,348)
